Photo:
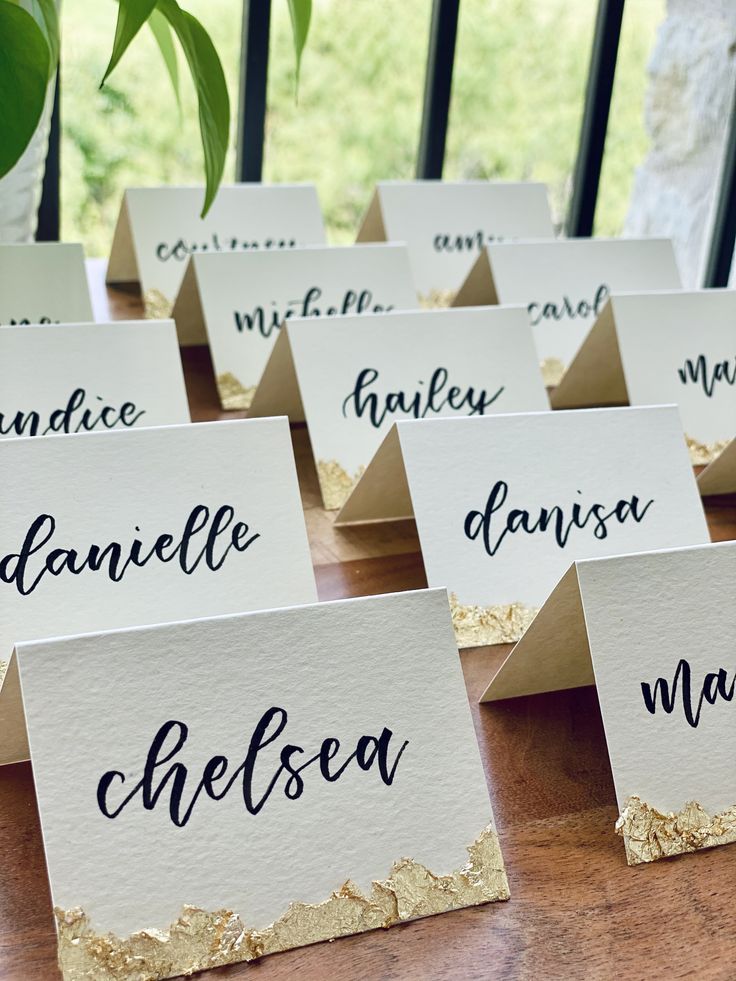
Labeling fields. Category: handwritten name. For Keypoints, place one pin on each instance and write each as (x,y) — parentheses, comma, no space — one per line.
(26,321)
(494,530)
(473,242)
(266,322)
(708,376)
(216,782)
(567,309)
(715,686)
(180,249)
(420,403)
(72,418)
(204,539)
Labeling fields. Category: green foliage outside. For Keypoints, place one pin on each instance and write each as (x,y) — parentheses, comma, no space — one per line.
(519,83)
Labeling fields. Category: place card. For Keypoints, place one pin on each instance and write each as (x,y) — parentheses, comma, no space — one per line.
(138,526)
(719,477)
(445,224)
(650,348)
(237,301)
(565,284)
(158,228)
(78,378)
(352,377)
(655,632)
(43,283)
(504,503)
(322,795)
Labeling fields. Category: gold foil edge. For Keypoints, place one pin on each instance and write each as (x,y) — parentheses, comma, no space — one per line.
(336,483)
(199,940)
(437,299)
(702,453)
(552,371)
(650,835)
(232,394)
(479,626)
(156,306)
(3,671)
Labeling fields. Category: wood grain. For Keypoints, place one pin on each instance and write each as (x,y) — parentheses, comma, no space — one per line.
(577,911)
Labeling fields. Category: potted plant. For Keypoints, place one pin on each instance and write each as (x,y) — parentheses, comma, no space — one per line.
(29,54)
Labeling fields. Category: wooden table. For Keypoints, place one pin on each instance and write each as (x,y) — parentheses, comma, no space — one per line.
(577,910)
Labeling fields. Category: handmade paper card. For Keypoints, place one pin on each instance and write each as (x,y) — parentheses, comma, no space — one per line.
(76,378)
(504,503)
(565,284)
(238,301)
(445,224)
(158,229)
(419,365)
(655,632)
(128,527)
(43,283)
(719,477)
(322,795)
(649,348)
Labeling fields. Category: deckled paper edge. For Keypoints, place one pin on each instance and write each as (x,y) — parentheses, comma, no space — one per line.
(156,306)
(704,453)
(650,834)
(481,626)
(335,483)
(233,395)
(199,940)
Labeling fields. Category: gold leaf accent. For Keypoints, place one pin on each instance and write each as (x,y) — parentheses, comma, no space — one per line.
(3,670)
(336,483)
(156,306)
(232,394)
(702,453)
(199,940)
(649,834)
(478,626)
(552,371)
(437,299)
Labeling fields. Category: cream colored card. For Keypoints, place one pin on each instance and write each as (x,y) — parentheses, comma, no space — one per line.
(158,229)
(352,377)
(43,283)
(89,377)
(565,284)
(719,477)
(445,224)
(504,503)
(655,632)
(264,792)
(117,529)
(649,348)
(237,301)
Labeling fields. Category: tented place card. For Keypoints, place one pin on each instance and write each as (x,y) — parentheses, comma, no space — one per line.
(565,284)
(504,503)
(43,283)
(352,377)
(160,227)
(128,527)
(237,301)
(650,348)
(719,477)
(76,378)
(656,633)
(266,793)
(446,224)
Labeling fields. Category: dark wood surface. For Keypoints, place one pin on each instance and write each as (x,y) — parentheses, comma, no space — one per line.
(577,910)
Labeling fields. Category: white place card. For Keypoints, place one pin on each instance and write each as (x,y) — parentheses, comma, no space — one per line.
(352,377)
(43,283)
(504,503)
(238,301)
(78,378)
(565,284)
(322,795)
(656,633)
(719,477)
(129,527)
(445,224)
(158,229)
(650,348)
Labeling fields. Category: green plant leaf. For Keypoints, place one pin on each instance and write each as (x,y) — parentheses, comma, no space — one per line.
(24,72)
(209,81)
(165,39)
(301,14)
(46,15)
(132,15)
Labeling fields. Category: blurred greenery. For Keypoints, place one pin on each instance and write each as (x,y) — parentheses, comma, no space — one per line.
(518,87)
